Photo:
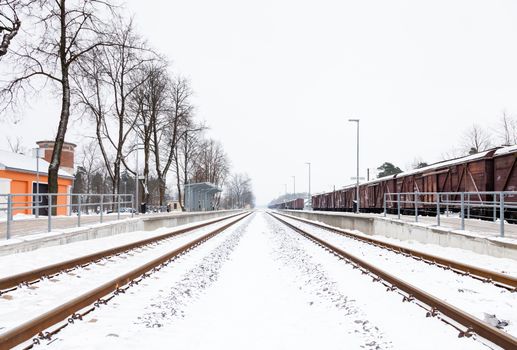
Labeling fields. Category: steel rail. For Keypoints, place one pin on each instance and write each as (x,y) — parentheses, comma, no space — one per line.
(473,324)
(497,278)
(25,331)
(10,283)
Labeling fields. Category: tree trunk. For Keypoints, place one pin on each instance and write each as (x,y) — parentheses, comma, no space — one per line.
(178,181)
(55,161)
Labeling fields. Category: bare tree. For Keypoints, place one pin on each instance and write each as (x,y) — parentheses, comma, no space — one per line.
(16,145)
(476,139)
(175,127)
(150,104)
(185,154)
(211,165)
(10,22)
(90,163)
(453,153)
(418,163)
(69,29)
(507,130)
(109,76)
(239,191)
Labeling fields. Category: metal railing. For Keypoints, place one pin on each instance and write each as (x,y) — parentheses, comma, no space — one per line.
(484,205)
(48,204)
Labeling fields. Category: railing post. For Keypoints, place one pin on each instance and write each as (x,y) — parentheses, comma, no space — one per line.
(447,205)
(437,209)
(415,197)
(385,205)
(37,203)
(118,206)
(462,210)
(468,205)
(494,197)
(49,216)
(102,206)
(9,215)
(398,205)
(501,214)
(132,206)
(79,211)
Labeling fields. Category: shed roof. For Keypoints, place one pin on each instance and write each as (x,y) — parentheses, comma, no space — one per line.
(204,187)
(21,162)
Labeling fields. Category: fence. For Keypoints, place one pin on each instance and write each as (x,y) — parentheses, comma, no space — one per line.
(52,204)
(484,205)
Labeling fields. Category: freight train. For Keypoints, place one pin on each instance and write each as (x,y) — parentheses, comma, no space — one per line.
(491,170)
(295,204)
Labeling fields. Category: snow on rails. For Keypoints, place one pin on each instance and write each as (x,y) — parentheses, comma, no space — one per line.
(464,322)
(78,306)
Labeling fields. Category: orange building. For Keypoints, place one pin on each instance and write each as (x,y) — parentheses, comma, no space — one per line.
(18,175)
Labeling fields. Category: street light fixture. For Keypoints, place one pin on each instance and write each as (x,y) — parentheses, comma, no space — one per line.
(357,173)
(309,199)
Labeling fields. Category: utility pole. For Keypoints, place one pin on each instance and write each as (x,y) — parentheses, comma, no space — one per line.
(137,198)
(309,199)
(294,186)
(357,170)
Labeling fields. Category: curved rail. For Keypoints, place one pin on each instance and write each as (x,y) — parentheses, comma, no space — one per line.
(25,331)
(10,283)
(497,278)
(436,305)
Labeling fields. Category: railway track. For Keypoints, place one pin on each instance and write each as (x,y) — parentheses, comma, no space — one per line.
(86,302)
(499,279)
(13,282)
(465,323)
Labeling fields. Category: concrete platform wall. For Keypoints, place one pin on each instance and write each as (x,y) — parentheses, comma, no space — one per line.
(143,223)
(479,243)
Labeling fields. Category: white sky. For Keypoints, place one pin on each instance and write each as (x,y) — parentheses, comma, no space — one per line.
(277,80)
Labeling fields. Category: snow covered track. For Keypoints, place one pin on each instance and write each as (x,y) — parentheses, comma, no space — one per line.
(25,331)
(435,306)
(11,282)
(499,279)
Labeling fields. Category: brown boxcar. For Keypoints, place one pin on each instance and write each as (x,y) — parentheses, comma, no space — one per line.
(492,170)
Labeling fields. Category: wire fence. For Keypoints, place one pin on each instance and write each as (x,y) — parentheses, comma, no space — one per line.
(61,204)
(469,205)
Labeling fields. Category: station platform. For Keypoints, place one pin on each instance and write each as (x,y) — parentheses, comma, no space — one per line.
(479,227)
(25,227)
(32,234)
(479,236)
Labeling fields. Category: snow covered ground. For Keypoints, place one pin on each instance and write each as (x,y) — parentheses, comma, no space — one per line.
(26,303)
(259,285)
(483,300)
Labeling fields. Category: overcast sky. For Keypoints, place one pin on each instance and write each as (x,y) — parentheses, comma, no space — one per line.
(277,80)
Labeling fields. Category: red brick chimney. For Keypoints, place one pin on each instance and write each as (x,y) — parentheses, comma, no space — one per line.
(67,154)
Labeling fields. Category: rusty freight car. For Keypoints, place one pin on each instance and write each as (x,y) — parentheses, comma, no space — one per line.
(491,170)
(295,204)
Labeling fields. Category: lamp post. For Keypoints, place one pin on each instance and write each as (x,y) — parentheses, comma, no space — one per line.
(294,186)
(357,172)
(137,175)
(309,199)
(37,153)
